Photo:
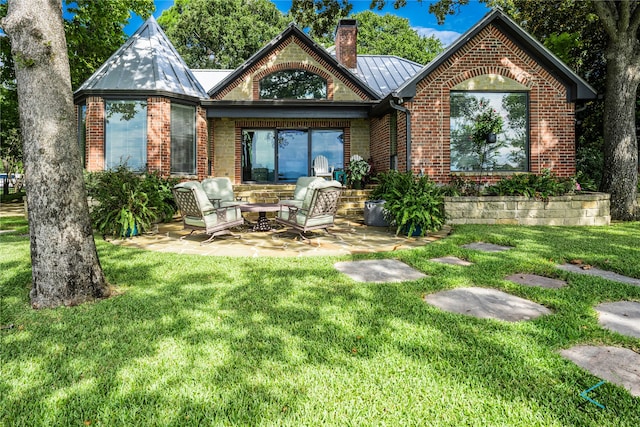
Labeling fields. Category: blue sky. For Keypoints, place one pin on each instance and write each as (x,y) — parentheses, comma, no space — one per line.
(417,13)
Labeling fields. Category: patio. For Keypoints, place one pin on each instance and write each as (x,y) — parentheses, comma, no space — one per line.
(350,236)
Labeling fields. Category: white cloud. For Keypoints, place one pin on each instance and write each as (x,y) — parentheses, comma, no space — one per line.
(446,37)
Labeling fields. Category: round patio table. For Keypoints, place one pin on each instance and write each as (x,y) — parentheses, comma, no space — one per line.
(262,209)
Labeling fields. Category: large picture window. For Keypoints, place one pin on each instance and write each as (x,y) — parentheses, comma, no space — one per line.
(474,115)
(183,139)
(284,155)
(293,84)
(126,134)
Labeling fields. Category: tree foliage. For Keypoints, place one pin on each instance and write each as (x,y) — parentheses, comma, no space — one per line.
(319,17)
(392,35)
(221,33)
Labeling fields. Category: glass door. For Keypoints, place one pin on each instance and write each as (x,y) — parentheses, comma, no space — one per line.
(293,154)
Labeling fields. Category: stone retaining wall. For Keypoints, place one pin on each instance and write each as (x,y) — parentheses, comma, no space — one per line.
(579,209)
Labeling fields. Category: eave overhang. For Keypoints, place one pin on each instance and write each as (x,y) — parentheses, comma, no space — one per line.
(288,109)
(81,95)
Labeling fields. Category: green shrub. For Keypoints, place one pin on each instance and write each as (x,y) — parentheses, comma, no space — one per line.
(411,203)
(531,185)
(126,202)
(459,186)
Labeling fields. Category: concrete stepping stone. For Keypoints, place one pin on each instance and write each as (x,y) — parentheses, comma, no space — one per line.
(617,365)
(379,270)
(452,260)
(487,303)
(486,247)
(535,280)
(592,271)
(622,317)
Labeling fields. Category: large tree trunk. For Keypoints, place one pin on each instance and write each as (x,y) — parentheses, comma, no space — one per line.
(621,145)
(620,178)
(66,269)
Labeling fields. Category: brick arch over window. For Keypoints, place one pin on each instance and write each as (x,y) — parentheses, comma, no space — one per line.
(292,66)
(512,77)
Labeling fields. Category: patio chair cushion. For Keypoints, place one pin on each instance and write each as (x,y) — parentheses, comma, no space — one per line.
(221,190)
(299,193)
(213,218)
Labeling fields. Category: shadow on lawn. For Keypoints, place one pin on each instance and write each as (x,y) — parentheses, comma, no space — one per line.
(199,341)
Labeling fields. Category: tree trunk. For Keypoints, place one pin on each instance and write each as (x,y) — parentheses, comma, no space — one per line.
(621,20)
(65,265)
(621,145)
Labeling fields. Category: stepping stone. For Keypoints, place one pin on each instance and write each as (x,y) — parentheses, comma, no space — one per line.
(379,270)
(452,260)
(619,366)
(622,317)
(486,247)
(592,271)
(487,303)
(535,280)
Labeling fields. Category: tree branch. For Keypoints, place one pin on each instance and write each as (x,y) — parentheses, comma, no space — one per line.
(606,11)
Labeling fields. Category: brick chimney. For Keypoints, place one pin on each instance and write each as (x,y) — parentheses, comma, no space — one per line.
(347,43)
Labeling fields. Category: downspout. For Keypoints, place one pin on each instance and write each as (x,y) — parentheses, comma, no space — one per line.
(408,117)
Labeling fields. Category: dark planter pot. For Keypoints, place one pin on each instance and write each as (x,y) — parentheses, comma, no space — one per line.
(356,185)
(130,232)
(416,233)
(374,213)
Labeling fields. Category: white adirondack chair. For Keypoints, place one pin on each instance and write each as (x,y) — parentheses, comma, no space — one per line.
(321,167)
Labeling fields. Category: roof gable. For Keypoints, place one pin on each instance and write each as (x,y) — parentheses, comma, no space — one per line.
(577,88)
(147,64)
(292,34)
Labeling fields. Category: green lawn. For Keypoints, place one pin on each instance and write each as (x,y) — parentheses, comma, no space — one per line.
(198,341)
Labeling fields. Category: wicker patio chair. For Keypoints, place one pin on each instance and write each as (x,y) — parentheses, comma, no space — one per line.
(318,209)
(199,214)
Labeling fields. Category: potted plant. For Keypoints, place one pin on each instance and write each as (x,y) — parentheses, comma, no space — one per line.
(357,171)
(414,205)
(125,203)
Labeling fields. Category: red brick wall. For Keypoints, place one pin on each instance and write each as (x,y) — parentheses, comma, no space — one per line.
(94,154)
(552,132)
(202,141)
(159,135)
(379,131)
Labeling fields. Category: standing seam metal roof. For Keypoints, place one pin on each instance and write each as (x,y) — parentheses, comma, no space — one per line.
(146,63)
(385,73)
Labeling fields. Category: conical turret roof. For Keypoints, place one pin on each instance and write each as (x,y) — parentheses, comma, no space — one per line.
(147,64)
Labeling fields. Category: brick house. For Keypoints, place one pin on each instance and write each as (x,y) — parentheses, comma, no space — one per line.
(293,100)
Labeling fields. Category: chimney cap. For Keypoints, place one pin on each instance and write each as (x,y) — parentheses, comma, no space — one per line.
(347,22)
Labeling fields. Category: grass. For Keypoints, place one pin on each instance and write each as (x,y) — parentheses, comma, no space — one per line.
(196,340)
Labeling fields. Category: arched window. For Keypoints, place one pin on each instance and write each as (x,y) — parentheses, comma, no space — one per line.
(293,84)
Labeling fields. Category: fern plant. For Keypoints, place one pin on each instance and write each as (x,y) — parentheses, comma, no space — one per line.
(413,204)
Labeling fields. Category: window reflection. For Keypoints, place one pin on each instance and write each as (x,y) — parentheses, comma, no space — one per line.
(293,84)
(126,134)
(510,151)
